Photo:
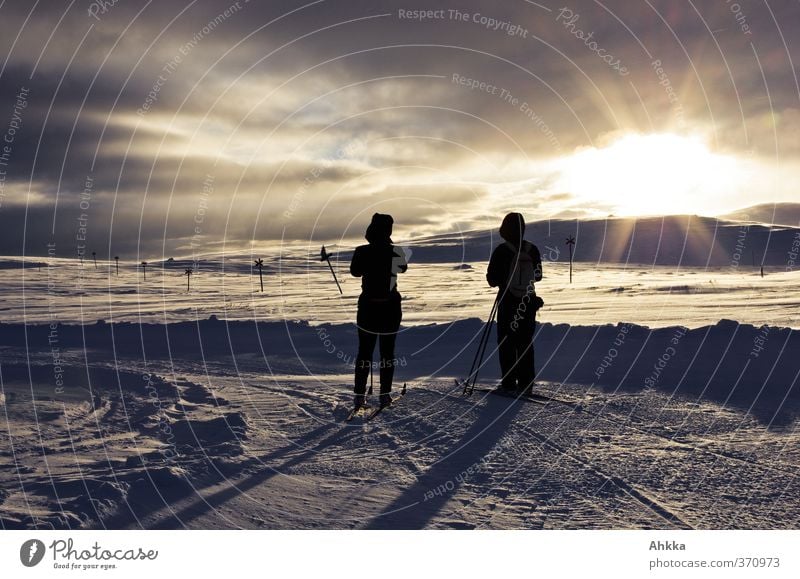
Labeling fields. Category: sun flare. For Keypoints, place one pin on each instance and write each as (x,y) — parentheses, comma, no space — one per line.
(654,174)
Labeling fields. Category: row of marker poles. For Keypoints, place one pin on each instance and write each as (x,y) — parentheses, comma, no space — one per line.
(323,256)
(326,257)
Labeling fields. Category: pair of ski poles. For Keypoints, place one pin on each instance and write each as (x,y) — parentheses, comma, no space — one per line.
(477,361)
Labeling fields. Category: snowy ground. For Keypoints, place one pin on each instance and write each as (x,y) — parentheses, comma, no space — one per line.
(187,421)
(279,456)
(296,288)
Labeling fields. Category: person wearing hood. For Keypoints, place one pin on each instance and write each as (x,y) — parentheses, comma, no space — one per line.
(514,267)
(379,309)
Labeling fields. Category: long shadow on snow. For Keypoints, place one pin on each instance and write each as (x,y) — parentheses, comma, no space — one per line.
(264,472)
(419,504)
(148,500)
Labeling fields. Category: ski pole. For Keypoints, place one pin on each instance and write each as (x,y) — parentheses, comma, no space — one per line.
(325,256)
(480,361)
(484,338)
(479,353)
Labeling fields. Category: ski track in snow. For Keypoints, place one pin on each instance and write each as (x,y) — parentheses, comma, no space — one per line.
(249,432)
(439,460)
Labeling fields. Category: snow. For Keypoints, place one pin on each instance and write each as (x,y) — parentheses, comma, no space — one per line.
(437,461)
(298,289)
(144,405)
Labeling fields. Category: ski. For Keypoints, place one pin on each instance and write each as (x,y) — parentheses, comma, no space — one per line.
(514,395)
(380,409)
(531,397)
(537,398)
(357,411)
(544,397)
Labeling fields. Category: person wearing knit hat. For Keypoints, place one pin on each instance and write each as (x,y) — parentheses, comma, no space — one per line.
(514,267)
(379,306)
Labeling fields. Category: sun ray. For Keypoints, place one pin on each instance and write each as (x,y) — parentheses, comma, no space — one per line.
(653,174)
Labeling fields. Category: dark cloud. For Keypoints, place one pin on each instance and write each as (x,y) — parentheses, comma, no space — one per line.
(338,105)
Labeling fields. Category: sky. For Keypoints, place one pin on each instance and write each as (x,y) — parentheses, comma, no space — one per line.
(146,129)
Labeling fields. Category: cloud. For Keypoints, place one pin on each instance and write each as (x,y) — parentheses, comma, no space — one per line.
(320,111)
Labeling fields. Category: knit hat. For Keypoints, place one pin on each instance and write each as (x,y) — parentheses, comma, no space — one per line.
(380,228)
(513,228)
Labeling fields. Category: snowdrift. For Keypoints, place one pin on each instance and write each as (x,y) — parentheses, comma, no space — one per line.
(139,441)
(752,368)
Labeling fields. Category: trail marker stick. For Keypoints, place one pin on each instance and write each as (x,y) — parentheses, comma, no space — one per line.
(325,256)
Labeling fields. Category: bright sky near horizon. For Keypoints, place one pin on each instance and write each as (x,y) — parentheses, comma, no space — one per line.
(148,128)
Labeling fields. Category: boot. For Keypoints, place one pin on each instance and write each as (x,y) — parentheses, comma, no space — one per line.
(508,386)
(386,399)
(359,400)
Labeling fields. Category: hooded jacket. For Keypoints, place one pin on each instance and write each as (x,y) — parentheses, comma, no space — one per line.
(504,257)
(379,262)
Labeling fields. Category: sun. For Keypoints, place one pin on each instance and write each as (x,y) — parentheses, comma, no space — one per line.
(652,174)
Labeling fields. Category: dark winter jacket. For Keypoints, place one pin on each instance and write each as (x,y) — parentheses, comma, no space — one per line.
(377,264)
(503,261)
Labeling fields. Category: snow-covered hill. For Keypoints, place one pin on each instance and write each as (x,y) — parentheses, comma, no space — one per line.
(214,425)
(769,213)
(678,240)
(136,403)
(297,288)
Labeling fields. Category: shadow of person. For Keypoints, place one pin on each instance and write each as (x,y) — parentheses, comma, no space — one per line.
(414,509)
(421,502)
(264,472)
(151,499)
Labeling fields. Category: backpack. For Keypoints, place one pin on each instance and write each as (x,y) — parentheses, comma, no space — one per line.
(523,276)
(400,256)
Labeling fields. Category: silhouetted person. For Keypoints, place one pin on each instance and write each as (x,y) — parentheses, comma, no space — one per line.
(513,268)
(379,310)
